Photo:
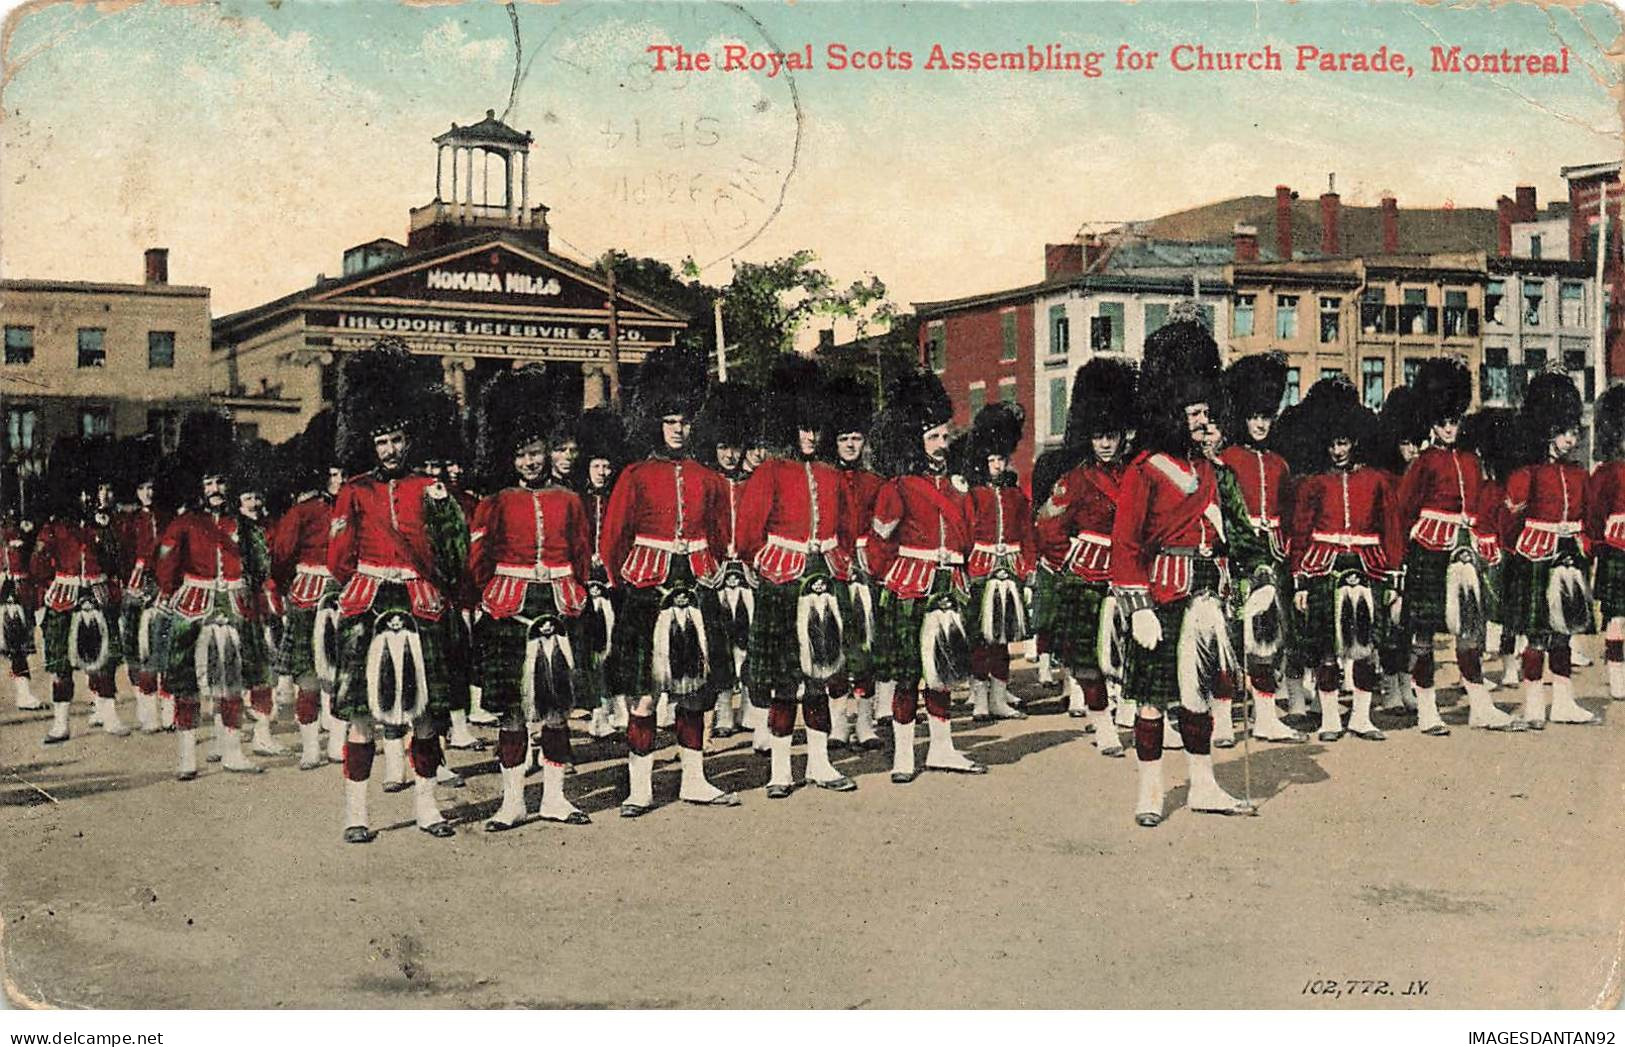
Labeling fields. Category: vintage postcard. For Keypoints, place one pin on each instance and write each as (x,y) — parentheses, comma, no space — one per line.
(827,505)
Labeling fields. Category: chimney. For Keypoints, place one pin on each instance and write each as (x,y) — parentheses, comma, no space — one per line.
(1245,237)
(1283,222)
(157,265)
(1093,248)
(1505,215)
(1390,225)
(1526,203)
(1331,218)
(1063,260)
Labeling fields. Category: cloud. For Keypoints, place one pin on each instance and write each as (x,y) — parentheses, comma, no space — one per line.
(449,42)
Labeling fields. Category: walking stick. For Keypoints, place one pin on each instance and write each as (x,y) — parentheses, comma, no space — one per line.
(1248,807)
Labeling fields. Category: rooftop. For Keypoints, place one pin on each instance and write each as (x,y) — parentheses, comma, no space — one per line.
(488,130)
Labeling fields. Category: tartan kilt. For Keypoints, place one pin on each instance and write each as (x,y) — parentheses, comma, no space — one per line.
(1609,589)
(592,672)
(860,655)
(136,602)
(180,647)
(1046,590)
(296,655)
(1524,606)
(978,599)
(462,668)
(25,638)
(775,642)
(499,654)
(1075,628)
(1151,677)
(1319,627)
(1292,639)
(355,635)
(1425,571)
(631,659)
(898,622)
(55,629)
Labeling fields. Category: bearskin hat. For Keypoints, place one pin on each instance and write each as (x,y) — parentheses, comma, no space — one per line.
(67,478)
(730,418)
(1254,386)
(1330,409)
(1181,368)
(206,448)
(135,461)
(1102,401)
(1610,424)
(915,402)
(1493,434)
(1444,389)
(996,430)
(309,455)
(1551,405)
(383,389)
(516,407)
(1050,467)
(673,380)
(600,434)
(850,405)
(256,466)
(1399,422)
(795,401)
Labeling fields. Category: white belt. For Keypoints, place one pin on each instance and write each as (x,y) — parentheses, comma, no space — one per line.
(1345,539)
(1558,527)
(811,545)
(676,546)
(1264,521)
(79,579)
(533,572)
(386,574)
(1459,519)
(1091,538)
(999,549)
(219,584)
(319,570)
(941,556)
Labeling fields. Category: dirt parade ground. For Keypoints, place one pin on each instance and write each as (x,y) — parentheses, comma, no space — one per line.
(1476,871)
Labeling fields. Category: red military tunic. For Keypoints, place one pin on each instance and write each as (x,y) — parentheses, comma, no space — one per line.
(1439,497)
(1262,477)
(378,534)
(1345,511)
(1493,521)
(661,508)
(67,559)
(14,562)
(862,488)
(1001,532)
(525,536)
(791,509)
(594,502)
(1545,504)
(1074,528)
(138,531)
(1169,511)
(199,555)
(299,551)
(1605,505)
(920,523)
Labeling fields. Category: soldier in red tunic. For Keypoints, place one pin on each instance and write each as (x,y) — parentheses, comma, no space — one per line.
(1400,434)
(1547,596)
(77,596)
(849,405)
(255,478)
(602,441)
(1255,386)
(1003,558)
(1444,585)
(397,545)
(919,539)
(726,425)
(1345,546)
(209,634)
(793,530)
(1074,536)
(16,592)
(665,535)
(1168,567)
(1605,527)
(528,558)
(138,524)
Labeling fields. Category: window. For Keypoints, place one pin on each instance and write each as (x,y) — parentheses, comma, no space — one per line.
(936,347)
(20,422)
(1057,406)
(1411,366)
(1007,324)
(1534,246)
(1495,381)
(1456,315)
(19,345)
(1331,310)
(160,349)
(1156,316)
(1415,318)
(1494,292)
(1294,387)
(1106,328)
(977,398)
(1574,359)
(1373,372)
(1533,291)
(1330,372)
(95,421)
(1241,315)
(1571,304)
(1286,316)
(92,351)
(1007,390)
(1376,315)
(166,426)
(1060,331)
(1204,316)
(1534,359)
